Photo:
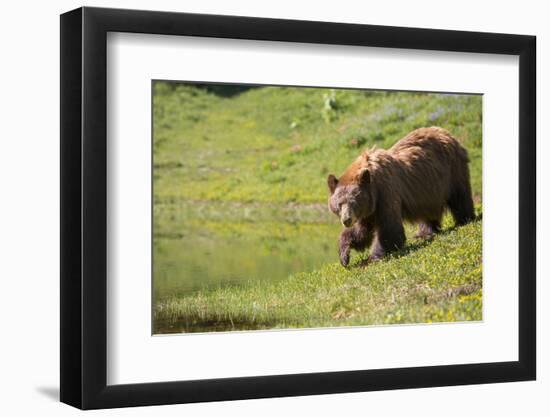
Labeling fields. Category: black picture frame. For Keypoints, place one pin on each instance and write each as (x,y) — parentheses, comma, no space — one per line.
(84,207)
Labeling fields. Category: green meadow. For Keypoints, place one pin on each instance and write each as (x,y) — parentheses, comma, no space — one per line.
(242,236)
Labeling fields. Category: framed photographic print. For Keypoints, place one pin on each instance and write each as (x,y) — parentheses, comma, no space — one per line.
(256,207)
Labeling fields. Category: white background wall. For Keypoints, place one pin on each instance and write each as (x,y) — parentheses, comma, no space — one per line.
(29,232)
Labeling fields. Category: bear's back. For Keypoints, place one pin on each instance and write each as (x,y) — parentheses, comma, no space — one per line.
(429,143)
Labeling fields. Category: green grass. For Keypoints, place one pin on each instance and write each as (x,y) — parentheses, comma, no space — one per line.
(436,281)
(255,164)
(278,144)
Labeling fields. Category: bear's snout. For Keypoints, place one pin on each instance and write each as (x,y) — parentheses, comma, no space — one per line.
(346,216)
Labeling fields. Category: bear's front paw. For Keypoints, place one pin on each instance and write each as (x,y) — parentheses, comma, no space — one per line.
(344,245)
(344,257)
(368,260)
(374,258)
(363,263)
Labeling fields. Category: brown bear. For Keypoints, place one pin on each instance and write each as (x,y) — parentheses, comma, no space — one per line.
(415,180)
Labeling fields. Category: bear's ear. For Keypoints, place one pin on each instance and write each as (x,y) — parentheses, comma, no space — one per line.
(332,182)
(364,176)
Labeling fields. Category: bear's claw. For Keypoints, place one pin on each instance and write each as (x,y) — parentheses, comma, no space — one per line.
(344,258)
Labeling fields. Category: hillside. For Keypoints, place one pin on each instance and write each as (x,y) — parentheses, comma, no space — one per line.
(242,235)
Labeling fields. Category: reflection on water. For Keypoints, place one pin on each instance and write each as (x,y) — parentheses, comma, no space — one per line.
(209,258)
(201,246)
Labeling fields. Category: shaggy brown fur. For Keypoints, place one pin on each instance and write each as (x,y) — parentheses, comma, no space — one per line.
(414,180)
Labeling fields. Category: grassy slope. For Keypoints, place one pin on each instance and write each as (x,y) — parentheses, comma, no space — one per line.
(284,143)
(287,140)
(427,282)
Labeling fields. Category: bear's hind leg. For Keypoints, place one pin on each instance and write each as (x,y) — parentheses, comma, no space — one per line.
(461,204)
(460,201)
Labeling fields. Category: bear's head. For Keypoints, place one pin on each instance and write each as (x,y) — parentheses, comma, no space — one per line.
(352,195)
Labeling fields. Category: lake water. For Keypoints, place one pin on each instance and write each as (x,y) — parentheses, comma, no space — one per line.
(238,245)
(208,259)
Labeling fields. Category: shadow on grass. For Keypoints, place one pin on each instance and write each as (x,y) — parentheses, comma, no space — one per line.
(416,244)
(207,324)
